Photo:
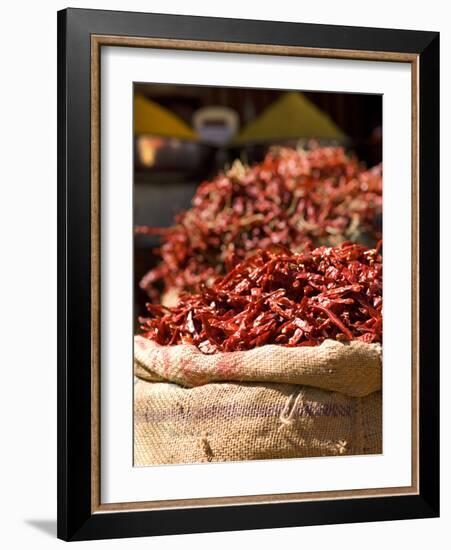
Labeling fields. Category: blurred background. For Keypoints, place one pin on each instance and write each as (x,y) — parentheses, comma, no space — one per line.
(183,135)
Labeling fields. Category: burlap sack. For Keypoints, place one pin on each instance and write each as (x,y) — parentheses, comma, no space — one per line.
(270,402)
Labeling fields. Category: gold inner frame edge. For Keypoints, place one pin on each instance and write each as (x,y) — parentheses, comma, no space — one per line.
(97,41)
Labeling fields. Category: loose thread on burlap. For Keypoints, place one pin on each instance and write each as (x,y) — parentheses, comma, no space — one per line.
(204,444)
(287,415)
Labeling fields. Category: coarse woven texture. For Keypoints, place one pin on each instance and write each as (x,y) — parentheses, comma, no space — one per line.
(353,368)
(220,422)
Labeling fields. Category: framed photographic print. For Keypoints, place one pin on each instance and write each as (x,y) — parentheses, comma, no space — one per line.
(248,274)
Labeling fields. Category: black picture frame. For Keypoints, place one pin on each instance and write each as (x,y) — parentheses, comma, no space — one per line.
(76,520)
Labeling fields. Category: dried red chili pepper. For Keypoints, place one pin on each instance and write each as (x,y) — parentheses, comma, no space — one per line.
(292,198)
(280,297)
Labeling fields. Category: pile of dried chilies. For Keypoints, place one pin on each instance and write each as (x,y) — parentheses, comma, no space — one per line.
(279,297)
(292,198)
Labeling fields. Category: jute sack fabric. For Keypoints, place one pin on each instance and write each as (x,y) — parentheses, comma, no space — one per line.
(270,402)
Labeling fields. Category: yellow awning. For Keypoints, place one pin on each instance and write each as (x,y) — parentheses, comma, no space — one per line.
(291,116)
(153,119)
